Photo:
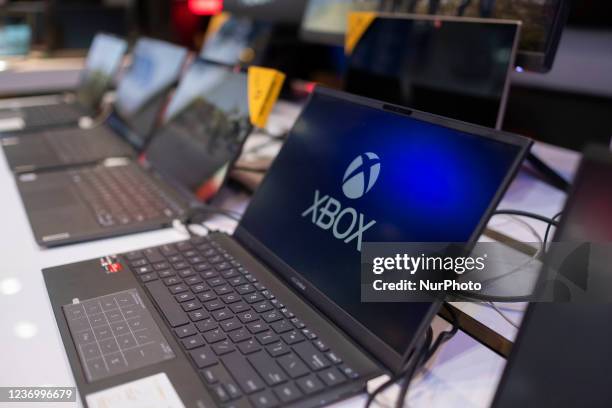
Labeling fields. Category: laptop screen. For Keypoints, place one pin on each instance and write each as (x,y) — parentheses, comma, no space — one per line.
(103,61)
(156,66)
(457,69)
(403,179)
(576,334)
(240,40)
(207,121)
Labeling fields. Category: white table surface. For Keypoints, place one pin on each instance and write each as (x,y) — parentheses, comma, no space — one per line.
(462,374)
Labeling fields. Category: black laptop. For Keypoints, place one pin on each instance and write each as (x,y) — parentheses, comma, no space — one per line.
(561,356)
(141,94)
(207,122)
(103,61)
(271,315)
(449,66)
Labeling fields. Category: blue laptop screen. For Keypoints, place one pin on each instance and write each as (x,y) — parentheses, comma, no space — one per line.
(349,174)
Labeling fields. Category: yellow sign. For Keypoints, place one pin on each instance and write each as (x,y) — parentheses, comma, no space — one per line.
(265,85)
(358,23)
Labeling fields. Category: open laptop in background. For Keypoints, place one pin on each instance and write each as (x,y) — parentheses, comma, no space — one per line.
(207,122)
(454,67)
(562,352)
(272,315)
(102,63)
(141,94)
(238,41)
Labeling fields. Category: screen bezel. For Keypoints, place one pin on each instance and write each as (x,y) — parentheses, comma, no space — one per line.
(501,111)
(371,343)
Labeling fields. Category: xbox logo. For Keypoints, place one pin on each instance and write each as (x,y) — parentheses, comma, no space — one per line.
(361,175)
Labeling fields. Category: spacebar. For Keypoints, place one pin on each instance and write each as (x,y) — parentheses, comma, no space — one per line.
(164,300)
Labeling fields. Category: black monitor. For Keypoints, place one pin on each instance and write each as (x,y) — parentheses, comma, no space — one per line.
(543,22)
(561,356)
(451,67)
(276,11)
(325,20)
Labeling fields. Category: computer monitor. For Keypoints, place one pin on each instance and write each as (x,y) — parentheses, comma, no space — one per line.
(239,41)
(543,22)
(276,11)
(325,20)
(458,68)
(562,351)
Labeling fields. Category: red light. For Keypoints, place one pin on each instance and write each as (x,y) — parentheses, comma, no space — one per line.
(205,7)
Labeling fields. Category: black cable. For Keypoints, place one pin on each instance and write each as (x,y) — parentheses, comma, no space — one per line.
(528,215)
(550,225)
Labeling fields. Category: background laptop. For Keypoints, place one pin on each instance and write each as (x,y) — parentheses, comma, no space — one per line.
(458,68)
(103,60)
(207,123)
(141,94)
(562,351)
(272,314)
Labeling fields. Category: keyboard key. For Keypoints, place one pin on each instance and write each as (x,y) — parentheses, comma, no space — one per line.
(185,331)
(287,392)
(216,282)
(293,365)
(191,305)
(257,327)
(246,377)
(206,296)
(281,326)
(272,316)
(213,336)
(267,368)
(197,315)
(203,357)
(200,287)
(166,274)
(193,342)
(143,269)
(209,375)
(332,376)
(264,399)
(253,297)
(232,390)
(223,347)
(206,325)
(172,281)
(220,393)
(249,346)
(312,357)
(230,298)
(153,255)
(184,297)
(245,289)
(309,334)
(239,335)
(223,289)
(247,317)
(320,345)
(230,324)
(176,289)
(278,349)
(262,307)
(214,305)
(220,315)
(293,337)
(185,273)
(310,384)
(170,309)
(266,337)
(239,307)
(193,280)
(147,277)
(349,372)
(239,280)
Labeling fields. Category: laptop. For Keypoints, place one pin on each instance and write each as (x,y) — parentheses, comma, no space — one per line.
(103,60)
(141,94)
(562,350)
(239,41)
(271,315)
(207,122)
(454,67)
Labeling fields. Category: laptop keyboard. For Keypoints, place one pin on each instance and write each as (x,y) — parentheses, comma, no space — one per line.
(248,347)
(123,195)
(79,145)
(45,115)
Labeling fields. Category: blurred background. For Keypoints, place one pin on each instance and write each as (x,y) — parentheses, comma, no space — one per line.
(568,104)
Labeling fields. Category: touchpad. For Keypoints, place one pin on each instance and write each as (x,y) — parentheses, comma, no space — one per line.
(115,334)
(52,198)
